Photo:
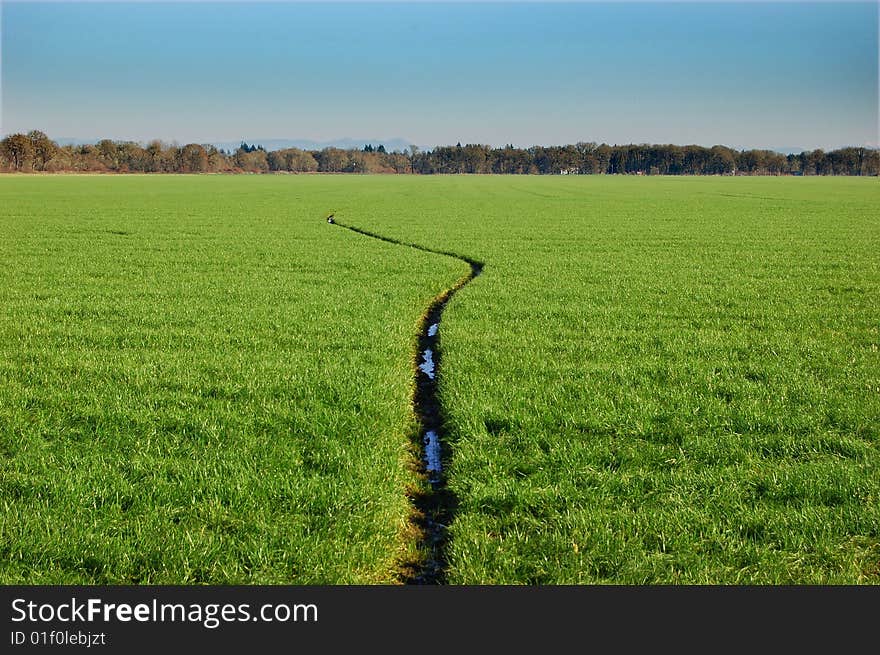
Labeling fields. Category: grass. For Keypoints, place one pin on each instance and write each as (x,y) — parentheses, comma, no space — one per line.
(202,382)
(654,380)
(661,380)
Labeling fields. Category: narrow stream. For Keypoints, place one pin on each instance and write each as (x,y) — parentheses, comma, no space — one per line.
(435,507)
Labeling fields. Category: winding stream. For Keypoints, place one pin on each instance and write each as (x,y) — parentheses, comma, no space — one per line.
(436,507)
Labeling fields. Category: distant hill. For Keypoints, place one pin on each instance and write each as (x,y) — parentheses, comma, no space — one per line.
(789,150)
(346,143)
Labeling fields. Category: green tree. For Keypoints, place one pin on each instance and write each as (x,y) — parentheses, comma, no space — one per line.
(332,160)
(44,149)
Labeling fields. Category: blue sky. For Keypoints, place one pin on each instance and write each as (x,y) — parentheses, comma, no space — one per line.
(755,74)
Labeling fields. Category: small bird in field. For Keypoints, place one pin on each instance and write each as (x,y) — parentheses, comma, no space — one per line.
(330,219)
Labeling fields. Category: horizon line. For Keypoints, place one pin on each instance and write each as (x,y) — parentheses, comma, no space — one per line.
(329,143)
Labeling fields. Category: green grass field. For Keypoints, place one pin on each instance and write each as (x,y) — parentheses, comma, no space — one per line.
(201,382)
(654,380)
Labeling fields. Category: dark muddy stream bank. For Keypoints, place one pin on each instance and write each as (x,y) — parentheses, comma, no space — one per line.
(435,507)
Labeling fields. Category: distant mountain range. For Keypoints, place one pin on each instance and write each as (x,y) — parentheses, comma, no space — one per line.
(789,150)
(346,143)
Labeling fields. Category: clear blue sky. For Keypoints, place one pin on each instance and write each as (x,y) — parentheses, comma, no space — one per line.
(747,75)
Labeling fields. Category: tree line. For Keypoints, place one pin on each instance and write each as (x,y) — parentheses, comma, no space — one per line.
(36,152)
